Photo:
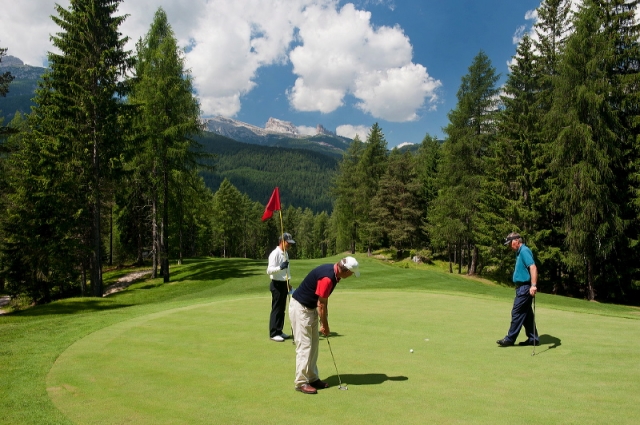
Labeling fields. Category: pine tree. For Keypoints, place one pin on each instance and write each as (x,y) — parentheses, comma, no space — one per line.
(227,207)
(370,169)
(70,158)
(5,78)
(345,190)
(168,119)
(427,162)
(396,205)
(594,140)
(517,163)
(456,217)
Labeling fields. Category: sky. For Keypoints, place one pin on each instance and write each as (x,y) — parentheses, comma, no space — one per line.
(342,64)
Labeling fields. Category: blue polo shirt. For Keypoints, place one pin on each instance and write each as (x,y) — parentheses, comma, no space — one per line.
(524,260)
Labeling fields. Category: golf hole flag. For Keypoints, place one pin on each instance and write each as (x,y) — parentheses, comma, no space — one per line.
(273,205)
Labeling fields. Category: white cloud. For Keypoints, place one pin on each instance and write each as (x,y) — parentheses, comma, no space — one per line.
(517,36)
(307,131)
(350,131)
(396,94)
(335,51)
(342,53)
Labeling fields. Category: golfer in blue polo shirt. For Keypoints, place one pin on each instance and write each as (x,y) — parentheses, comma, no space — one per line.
(525,277)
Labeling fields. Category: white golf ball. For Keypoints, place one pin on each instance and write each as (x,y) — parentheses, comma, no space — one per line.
(411,351)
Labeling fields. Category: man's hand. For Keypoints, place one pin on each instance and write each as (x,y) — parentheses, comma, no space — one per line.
(324,330)
(533,290)
(284,265)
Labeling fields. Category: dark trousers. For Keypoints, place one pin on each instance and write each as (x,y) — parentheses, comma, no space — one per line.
(278,304)
(522,315)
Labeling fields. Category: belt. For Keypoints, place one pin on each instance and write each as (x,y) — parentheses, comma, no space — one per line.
(519,284)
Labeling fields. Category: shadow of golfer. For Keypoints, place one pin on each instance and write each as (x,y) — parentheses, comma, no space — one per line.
(363,379)
(552,341)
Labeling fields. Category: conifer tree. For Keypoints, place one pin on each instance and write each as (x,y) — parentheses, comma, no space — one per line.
(463,174)
(518,168)
(594,140)
(227,207)
(70,159)
(346,192)
(5,78)
(396,205)
(427,162)
(371,167)
(321,230)
(168,119)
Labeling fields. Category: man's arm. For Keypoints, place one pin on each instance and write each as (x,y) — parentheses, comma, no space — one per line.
(323,313)
(533,271)
(275,259)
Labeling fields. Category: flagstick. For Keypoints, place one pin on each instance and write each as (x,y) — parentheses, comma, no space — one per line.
(293,339)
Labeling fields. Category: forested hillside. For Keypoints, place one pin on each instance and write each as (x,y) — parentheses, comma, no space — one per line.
(303,176)
(21,89)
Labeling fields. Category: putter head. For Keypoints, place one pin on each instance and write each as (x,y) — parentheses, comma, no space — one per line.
(343,387)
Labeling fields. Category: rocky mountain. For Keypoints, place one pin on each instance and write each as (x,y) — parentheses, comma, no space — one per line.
(283,127)
(10,61)
(279,133)
(21,89)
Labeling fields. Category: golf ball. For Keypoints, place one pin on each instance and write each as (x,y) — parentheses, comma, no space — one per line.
(411,351)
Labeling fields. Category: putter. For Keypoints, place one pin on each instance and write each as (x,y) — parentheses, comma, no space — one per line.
(535,331)
(341,386)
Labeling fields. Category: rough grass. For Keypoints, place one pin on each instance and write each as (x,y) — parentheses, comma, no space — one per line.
(196,351)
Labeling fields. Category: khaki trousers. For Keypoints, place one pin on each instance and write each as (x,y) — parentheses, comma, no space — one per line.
(304,322)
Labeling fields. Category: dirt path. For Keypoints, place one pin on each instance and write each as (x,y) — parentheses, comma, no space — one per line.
(4,300)
(125,281)
(120,285)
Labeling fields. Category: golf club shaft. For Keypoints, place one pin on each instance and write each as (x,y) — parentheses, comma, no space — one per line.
(334,361)
(535,330)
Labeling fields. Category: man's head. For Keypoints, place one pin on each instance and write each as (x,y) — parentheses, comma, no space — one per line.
(286,240)
(513,240)
(348,266)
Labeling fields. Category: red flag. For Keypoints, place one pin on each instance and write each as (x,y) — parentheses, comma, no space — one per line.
(273,205)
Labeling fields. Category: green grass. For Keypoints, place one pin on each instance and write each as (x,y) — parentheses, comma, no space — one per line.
(196,351)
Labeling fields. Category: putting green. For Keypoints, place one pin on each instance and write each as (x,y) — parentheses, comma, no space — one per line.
(213,363)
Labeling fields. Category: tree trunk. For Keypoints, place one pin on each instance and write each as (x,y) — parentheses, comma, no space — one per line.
(450,263)
(83,281)
(96,263)
(591,294)
(111,236)
(353,238)
(154,234)
(474,262)
(139,259)
(165,226)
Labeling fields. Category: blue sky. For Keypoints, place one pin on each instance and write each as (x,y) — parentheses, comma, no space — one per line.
(445,36)
(345,65)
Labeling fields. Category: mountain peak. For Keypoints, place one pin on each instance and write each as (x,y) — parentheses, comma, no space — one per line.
(275,125)
(11,61)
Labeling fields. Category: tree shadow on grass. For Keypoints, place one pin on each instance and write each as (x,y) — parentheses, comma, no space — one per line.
(220,270)
(363,379)
(73,306)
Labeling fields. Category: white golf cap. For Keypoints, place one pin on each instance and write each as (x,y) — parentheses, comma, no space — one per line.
(351,264)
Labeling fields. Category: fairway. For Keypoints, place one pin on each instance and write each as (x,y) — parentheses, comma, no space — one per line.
(212,362)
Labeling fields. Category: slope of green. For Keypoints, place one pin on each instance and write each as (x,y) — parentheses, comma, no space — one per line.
(303,176)
(197,351)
